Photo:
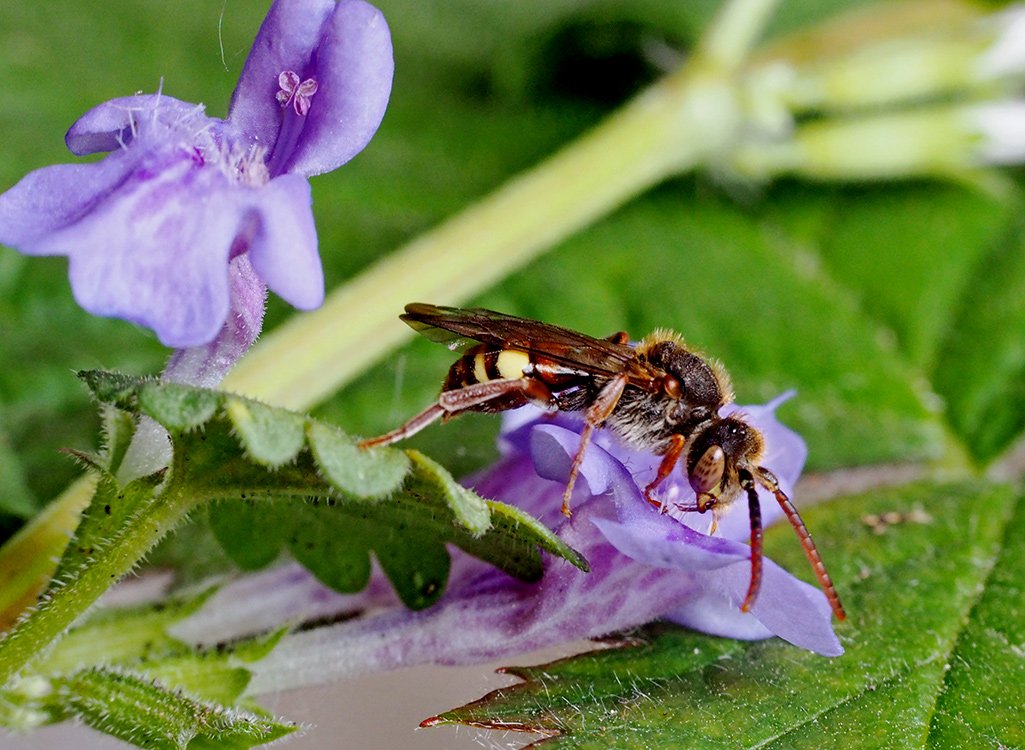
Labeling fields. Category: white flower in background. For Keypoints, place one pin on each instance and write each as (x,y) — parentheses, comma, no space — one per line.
(940,97)
(1001,126)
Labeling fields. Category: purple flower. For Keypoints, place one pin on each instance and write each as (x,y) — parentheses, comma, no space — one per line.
(644,566)
(150,230)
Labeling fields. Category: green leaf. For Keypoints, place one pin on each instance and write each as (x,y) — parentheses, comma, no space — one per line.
(980,371)
(132,642)
(365,474)
(144,712)
(943,278)
(984,689)
(270,436)
(854,236)
(177,407)
(304,485)
(114,388)
(933,647)
(123,635)
(218,675)
(250,532)
(334,538)
(469,507)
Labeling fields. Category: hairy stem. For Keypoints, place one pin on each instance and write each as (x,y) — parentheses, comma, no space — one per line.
(40,628)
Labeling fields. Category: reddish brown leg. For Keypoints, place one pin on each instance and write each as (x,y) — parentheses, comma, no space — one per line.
(467,397)
(595,415)
(453,403)
(410,428)
(755,509)
(676,443)
(768,479)
(619,337)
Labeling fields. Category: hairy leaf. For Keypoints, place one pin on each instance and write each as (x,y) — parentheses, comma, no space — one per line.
(288,481)
(144,712)
(933,647)
(121,671)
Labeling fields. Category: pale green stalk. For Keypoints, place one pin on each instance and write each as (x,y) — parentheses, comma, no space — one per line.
(670,128)
(727,43)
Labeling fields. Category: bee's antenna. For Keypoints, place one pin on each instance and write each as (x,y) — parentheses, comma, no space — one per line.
(755,509)
(768,479)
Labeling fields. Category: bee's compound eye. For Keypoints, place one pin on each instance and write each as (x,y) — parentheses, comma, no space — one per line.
(707,472)
(671,386)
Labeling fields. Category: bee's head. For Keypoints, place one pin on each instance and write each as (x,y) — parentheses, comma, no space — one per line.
(717,455)
(696,381)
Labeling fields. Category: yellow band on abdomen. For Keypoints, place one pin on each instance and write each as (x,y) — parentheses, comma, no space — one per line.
(511,363)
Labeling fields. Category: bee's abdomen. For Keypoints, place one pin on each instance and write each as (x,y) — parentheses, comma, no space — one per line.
(486,362)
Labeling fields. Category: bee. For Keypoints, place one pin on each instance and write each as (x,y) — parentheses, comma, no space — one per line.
(657,396)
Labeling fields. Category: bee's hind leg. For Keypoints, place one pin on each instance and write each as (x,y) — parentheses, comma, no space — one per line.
(500,394)
(408,429)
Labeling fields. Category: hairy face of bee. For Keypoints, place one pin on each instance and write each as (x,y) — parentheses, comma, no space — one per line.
(716,455)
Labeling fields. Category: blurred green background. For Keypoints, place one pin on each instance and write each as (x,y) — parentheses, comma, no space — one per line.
(893,309)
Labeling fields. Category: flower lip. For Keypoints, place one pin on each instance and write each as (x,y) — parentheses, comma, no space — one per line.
(676,543)
(114,124)
(346,48)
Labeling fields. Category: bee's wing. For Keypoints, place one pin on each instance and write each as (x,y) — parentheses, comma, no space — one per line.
(457,328)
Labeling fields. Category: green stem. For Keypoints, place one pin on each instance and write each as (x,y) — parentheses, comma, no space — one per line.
(739,25)
(62,604)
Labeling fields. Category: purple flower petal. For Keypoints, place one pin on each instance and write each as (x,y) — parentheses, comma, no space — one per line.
(284,247)
(663,542)
(135,256)
(782,609)
(112,125)
(786,607)
(153,247)
(354,74)
(207,364)
(52,198)
(287,40)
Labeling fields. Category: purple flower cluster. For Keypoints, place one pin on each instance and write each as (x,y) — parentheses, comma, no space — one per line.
(645,565)
(151,229)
